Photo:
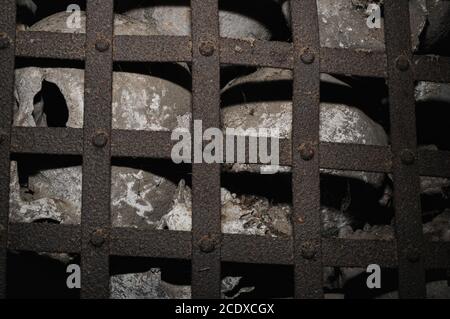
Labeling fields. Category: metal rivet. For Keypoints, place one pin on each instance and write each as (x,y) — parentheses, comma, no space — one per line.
(408,157)
(207,244)
(307,56)
(98,238)
(100,139)
(207,48)
(402,63)
(308,252)
(102,45)
(413,255)
(5,41)
(307,151)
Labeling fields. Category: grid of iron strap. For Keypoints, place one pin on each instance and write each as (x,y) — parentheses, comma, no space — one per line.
(205,246)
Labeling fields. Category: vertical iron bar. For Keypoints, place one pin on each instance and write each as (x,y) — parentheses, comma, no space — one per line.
(7,60)
(408,219)
(95,222)
(305,148)
(206,205)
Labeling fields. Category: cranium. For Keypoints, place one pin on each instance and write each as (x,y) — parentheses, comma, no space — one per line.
(343,24)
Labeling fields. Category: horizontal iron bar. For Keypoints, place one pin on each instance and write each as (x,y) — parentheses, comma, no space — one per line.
(237,248)
(359,253)
(59,141)
(142,144)
(49,238)
(353,62)
(152,48)
(257,249)
(37,44)
(431,68)
(434,163)
(274,54)
(126,143)
(355,157)
(150,243)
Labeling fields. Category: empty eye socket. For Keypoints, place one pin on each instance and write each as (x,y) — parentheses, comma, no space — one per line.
(50,107)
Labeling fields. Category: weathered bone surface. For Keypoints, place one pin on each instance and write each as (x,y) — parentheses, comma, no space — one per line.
(431,92)
(175,19)
(139,101)
(342,24)
(149,285)
(139,198)
(250,215)
(122,25)
(339,123)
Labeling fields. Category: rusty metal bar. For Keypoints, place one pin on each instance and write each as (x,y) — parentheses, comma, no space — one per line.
(235,248)
(432,68)
(48,140)
(408,215)
(38,44)
(434,163)
(126,143)
(129,144)
(95,218)
(206,206)
(149,243)
(274,54)
(205,246)
(306,218)
(7,59)
(47,238)
(152,48)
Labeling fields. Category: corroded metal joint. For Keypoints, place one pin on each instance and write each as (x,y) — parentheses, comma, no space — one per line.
(207,48)
(5,41)
(413,254)
(2,137)
(308,251)
(307,56)
(408,157)
(402,63)
(98,238)
(100,139)
(307,151)
(102,45)
(207,244)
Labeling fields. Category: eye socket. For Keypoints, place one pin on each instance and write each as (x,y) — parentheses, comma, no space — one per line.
(50,106)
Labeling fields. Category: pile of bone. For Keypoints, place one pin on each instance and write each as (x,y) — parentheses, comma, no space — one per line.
(145,197)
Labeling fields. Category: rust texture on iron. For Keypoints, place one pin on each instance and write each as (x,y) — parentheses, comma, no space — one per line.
(206,247)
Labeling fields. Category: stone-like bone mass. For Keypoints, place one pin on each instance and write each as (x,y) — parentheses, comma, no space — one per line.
(237,19)
(339,123)
(140,102)
(343,24)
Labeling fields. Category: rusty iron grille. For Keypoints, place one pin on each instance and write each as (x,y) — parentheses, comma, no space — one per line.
(95,240)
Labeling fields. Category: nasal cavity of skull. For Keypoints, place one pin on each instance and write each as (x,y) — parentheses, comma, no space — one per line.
(50,107)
